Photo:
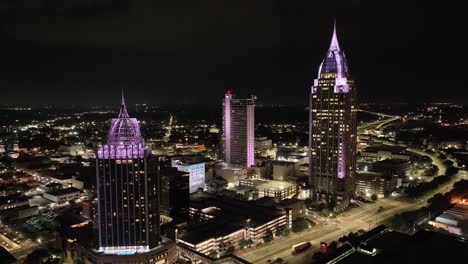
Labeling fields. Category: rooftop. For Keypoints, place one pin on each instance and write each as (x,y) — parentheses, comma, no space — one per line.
(60,192)
(388,148)
(15,198)
(274,185)
(230,216)
(390,162)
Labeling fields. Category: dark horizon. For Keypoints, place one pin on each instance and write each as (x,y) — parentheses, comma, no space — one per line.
(190,55)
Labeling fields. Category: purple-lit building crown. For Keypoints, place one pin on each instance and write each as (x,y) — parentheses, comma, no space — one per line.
(127,190)
(124,138)
(124,130)
(335,59)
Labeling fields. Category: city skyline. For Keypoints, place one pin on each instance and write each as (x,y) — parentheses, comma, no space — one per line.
(357,151)
(272,50)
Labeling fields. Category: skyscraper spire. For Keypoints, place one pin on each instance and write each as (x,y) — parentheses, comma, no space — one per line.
(123,98)
(335,59)
(334,42)
(123,108)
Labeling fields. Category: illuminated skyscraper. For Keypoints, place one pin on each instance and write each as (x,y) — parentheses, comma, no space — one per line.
(332,129)
(237,140)
(127,190)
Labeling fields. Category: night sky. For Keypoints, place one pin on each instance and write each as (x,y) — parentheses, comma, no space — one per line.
(84,52)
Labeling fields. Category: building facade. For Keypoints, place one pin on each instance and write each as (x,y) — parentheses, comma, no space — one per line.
(373,183)
(127,190)
(196,173)
(237,141)
(332,129)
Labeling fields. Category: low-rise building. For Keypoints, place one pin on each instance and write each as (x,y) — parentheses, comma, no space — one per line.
(283,170)
(62,195)
(381,152)
(195,171)
(375,183)
(453,220)
(269,188)
(230,172)
(13,201)
(262,144)
(264,147)
(392,167)
(224,222)
(19,213)
(295,207)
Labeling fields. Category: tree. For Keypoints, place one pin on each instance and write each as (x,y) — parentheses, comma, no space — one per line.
(431,171)
(300,224)
(320,207)
(245,243)
(374,197)
(279,260)
(268,236)
(325,212)
(380,209)
(427,226)
(230,250)
(450,171)
(213,253)
(448,163)
(317,255)
(285,232)
(443,231)
(332,246)
(438,202)
(441,156)
(38,256)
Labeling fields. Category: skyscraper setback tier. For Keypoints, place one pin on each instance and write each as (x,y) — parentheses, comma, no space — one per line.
(128,189)
(332,129)
(237,140)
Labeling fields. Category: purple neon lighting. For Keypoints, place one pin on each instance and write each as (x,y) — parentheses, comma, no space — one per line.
(227,126)
(341,159)
(335,62)
(250,136)
(334,45)
(124,138)
(129,151)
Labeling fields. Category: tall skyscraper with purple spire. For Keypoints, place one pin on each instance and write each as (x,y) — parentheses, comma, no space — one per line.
(332,129)
(127,189)
(237,140)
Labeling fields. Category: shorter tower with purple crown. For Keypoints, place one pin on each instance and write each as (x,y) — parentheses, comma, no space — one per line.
(127,190)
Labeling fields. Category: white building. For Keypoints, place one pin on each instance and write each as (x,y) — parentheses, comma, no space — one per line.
(196,173)
(62,195)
